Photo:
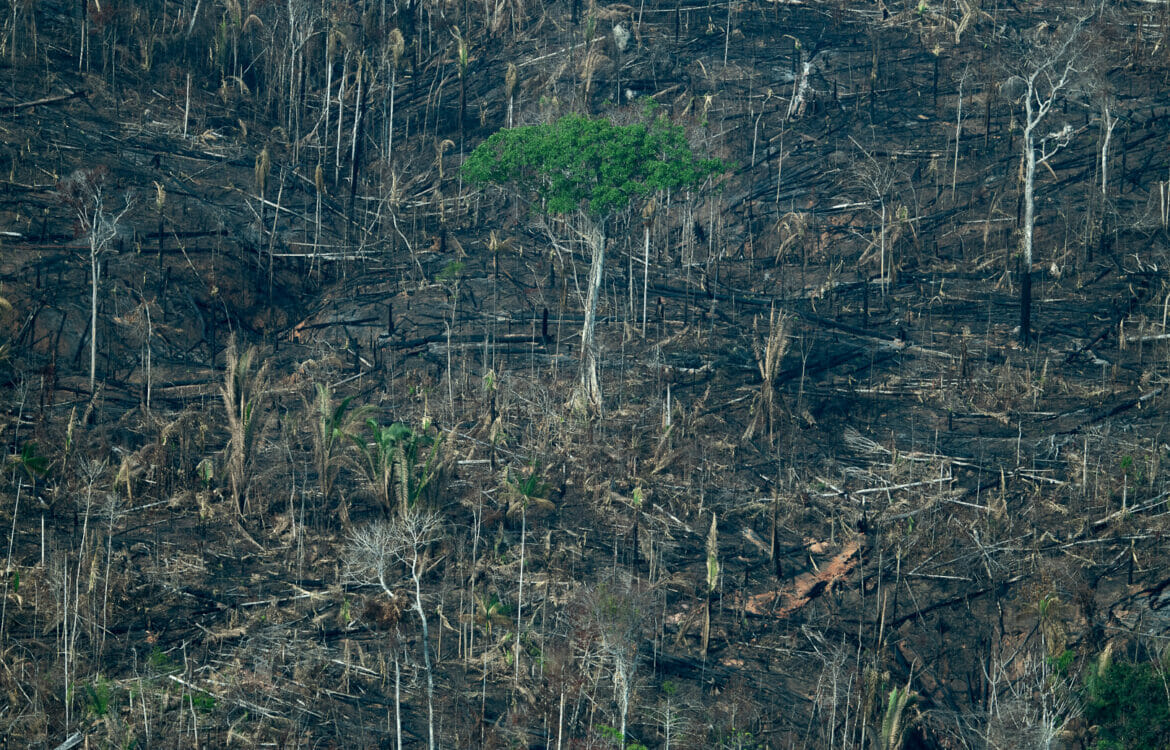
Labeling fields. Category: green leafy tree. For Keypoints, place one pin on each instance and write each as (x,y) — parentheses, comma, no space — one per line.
(591,169)
(1128,705)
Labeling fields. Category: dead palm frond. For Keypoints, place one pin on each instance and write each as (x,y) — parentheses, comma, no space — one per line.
(243,393)
(334,425)
(769,355)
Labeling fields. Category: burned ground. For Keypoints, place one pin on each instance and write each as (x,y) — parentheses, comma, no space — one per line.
(929,505)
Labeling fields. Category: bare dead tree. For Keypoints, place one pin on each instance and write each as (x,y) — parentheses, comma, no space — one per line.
(85,191)
(374,555)
(1047,69)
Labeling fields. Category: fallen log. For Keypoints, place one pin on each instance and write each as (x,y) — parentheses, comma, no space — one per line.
(806,587)
(50,100)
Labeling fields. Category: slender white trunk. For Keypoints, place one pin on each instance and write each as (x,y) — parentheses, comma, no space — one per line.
(520,590)
(390,136)
(1109,123)
(415,574)
(187,106)
(8,563)
(625,700)
(1029,197)
(397,700)
(645,273)
(65,640)
(357,118)
(1029,226)
(94,270)
(589,383)
(958,136)
(561,719)
(328,91)
(146,307)
(340,116)
(885,280)
(727,35)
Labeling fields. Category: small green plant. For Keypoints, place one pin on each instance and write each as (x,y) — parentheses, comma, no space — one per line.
(205,469)
(893,722)
(30,460)
(201,701)
(401,463)
(1059,663)
(99,696)
(451,272)
(531,486)
(161,663)
(615,735)
(492,611)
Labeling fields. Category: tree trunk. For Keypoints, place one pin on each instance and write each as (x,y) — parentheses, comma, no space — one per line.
(94,270)
(590,386)
(1108,122)
(645,272)
(426,646)
(1029,225)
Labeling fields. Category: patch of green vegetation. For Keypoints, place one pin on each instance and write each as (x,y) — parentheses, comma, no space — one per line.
(1128,704)
(201,701)
(99,696)
(162,663)
(615,735)
(451,272)
(1061,662)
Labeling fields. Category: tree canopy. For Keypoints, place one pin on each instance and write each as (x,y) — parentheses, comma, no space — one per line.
(580,162)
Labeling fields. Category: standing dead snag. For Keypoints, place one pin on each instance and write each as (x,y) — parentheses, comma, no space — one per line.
(373,555)
(1045,72)
(589,170)
(712,581)
(84,192)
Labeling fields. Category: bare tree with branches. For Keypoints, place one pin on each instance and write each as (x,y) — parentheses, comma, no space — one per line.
(375,553)
(1045,73)
(84,190)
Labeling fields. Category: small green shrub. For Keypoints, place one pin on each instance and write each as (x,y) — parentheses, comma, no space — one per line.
(203,702)
(615,735)
(99,696)
(162,663)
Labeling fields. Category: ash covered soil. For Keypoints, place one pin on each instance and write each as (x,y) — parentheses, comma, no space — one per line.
(832,497)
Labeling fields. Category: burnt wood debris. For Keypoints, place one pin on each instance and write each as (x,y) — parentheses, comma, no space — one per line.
(833,418)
